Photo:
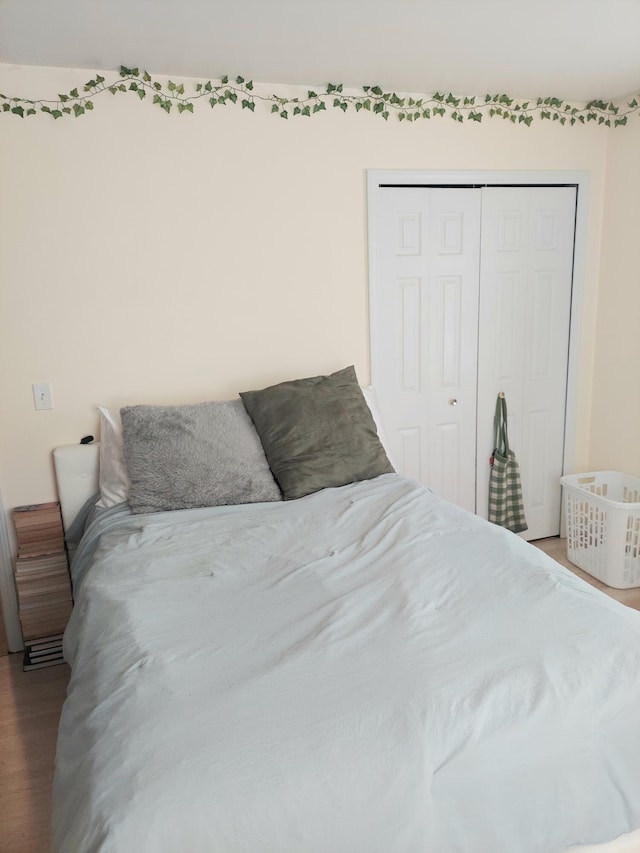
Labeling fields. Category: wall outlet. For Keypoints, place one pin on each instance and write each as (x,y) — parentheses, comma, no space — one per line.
(42,396)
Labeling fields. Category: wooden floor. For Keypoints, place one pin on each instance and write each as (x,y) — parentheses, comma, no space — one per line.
(30,704)
(557,548)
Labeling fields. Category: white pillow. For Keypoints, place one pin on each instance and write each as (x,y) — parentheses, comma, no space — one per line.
(374,407)
(114,482)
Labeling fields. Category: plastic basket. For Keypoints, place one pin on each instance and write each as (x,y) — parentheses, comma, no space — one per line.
(603,525)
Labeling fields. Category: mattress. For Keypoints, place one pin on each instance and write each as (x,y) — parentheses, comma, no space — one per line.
(368,668)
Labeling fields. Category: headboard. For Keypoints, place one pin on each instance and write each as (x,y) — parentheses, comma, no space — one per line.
(77,472)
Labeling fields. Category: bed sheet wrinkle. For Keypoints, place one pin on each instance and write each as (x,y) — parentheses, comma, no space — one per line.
(336,675)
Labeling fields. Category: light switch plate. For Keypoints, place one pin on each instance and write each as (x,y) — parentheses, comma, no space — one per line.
(42,396)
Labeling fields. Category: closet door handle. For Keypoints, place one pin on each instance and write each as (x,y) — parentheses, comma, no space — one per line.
(453,402)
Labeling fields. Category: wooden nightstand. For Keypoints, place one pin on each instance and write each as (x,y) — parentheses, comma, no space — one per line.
(42,582)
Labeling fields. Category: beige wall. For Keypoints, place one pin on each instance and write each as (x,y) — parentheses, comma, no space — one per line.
(615,418)
(154,258)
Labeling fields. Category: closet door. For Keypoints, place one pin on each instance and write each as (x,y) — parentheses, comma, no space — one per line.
(471,295)
(424,320)
(525,303)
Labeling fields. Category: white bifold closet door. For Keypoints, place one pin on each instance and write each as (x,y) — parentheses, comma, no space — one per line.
(472,296)
(424,335)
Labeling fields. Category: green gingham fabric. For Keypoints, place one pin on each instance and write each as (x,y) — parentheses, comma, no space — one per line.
(506,506)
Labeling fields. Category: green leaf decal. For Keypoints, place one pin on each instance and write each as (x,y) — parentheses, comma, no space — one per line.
(386,104)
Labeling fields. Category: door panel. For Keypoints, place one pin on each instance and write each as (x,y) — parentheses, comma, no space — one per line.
(424,313)
(525,304)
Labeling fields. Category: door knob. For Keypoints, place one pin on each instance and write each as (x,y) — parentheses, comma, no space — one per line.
(453,402)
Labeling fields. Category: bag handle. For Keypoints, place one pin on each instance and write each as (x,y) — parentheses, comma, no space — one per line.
(500,436)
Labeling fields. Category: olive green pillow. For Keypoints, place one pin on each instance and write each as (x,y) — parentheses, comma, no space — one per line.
(317,433)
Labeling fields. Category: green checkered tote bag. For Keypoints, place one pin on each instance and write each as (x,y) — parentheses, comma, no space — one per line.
(506,506)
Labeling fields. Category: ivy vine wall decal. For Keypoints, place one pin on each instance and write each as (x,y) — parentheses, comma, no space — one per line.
(373,99)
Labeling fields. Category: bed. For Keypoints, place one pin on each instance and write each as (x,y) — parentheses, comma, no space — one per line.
(364,667)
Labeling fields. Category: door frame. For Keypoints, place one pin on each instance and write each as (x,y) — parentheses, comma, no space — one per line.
(8,599)
(483,178)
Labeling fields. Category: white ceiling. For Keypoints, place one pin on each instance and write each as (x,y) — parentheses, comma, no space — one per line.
(572,49)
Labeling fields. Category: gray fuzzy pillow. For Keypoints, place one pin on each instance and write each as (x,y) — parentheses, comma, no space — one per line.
(207,454)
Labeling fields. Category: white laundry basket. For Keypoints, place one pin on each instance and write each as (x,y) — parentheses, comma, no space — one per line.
(603,525)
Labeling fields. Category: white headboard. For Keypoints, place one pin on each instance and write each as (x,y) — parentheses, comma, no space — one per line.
(77,470)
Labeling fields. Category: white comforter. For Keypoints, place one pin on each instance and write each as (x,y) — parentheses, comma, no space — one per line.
(365,669)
